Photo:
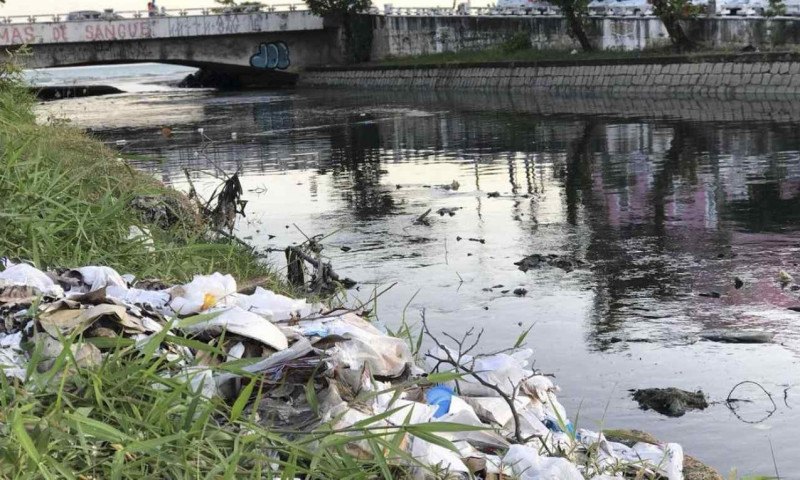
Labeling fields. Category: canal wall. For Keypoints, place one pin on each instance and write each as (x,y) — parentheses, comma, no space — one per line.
(724,75)
(399,36)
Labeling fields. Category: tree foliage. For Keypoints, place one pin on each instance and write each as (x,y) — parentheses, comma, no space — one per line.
(671,13)
(775,8)
(339,8)
(234,6)
(575,12)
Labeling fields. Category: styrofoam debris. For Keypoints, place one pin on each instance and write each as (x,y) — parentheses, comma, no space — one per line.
(202,293)
(244,323)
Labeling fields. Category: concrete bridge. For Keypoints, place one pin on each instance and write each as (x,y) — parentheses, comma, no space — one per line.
(272,46)
(255,46)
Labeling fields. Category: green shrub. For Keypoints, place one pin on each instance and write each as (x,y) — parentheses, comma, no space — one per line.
(515,43)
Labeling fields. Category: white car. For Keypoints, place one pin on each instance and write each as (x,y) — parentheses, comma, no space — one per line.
(745,8)
(620,8)
(525,7)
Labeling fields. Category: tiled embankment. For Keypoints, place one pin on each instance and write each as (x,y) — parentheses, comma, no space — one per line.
(723,74)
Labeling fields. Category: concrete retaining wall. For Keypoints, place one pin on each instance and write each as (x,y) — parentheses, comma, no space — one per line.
(726,75)
(397,36)
(610,108)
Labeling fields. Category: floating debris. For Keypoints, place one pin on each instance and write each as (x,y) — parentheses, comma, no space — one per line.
(447,211)
(536,260)
(740,336)
(454,185)
(711,294)
(423,219)
(672,402)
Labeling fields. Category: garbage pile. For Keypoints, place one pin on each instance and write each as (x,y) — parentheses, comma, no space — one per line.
(510,423)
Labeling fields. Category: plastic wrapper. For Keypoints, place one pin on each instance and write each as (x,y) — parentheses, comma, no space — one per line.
(527,464)
(26,275)
(272,305)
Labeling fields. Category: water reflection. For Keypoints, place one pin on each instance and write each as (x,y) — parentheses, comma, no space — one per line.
(660,208)
(664,200)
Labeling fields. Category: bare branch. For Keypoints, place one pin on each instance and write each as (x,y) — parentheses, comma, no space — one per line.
(459,366)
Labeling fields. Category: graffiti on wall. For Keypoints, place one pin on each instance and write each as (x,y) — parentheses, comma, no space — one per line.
(272,55)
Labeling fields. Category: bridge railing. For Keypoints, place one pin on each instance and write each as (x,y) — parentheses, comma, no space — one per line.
(538,7)
(132,14)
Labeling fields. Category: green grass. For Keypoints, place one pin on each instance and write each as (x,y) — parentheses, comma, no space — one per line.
(64,202)
(507,53)
(500,54)
(126,419)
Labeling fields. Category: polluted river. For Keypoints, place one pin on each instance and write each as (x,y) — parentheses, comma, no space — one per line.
(653,230)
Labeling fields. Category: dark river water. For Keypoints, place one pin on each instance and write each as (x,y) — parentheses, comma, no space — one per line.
(664,200)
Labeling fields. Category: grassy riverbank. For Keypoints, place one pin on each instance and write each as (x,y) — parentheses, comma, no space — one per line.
(66,201)
(512,52)
(501,54)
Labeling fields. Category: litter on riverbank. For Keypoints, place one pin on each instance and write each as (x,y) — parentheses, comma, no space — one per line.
(320,370)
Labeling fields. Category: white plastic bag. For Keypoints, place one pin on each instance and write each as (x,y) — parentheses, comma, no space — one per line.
(24,274)
(156,299)
(666,460)
(527,464)
(96,278)
(12,358)
(272,305)
(383,355)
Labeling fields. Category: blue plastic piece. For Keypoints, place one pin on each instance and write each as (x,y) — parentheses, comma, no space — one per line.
(439,396)
(316,331)
(552,424)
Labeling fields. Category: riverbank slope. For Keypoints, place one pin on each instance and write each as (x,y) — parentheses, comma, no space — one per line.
(70,200)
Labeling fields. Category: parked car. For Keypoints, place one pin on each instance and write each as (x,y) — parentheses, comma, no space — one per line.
(83,15)
(624,8)
(79,15)
(620,7)
(744,7)
(525,7)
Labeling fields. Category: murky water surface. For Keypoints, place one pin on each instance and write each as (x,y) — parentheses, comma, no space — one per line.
(664,201)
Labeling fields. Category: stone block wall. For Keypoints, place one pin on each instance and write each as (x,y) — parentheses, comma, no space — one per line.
(725,75)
